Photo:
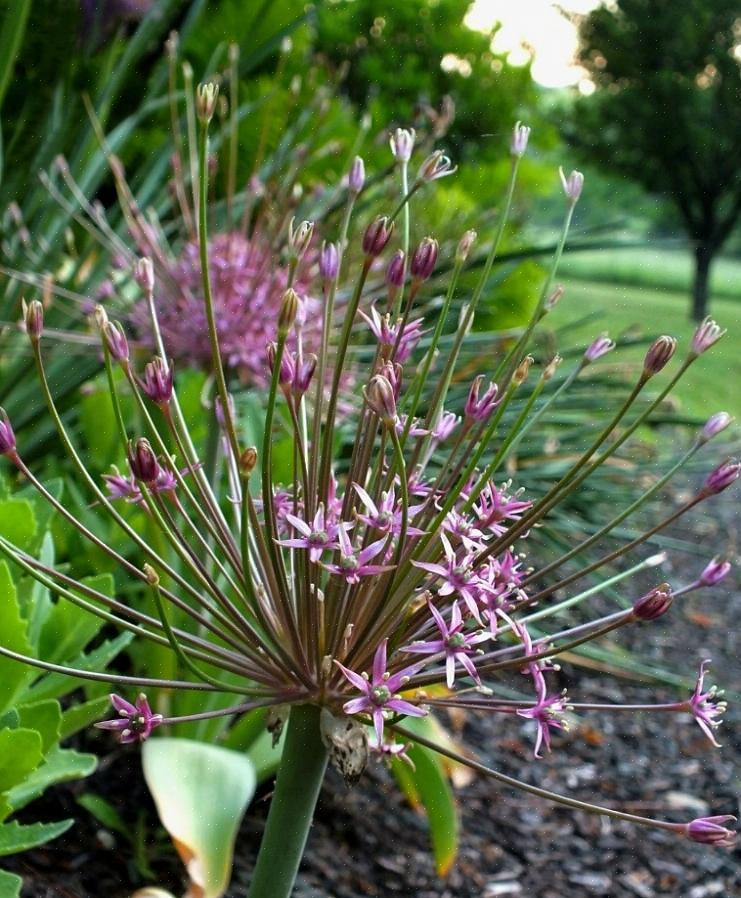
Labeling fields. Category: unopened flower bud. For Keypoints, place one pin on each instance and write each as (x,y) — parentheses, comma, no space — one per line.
(248,461)
(554,299)
(597,348)
(379,394)
(436,165)
(721,477)
(402,144)
(329,261)
(304,373)
(116,342)
(712,831)
(356,176)
(396,269)
(715,571)
(520,136)
(288,311)
(287,371)
(142,461)
(707,334)
(7,436)
(479,408)
(713,426)
(206,96)
(659,353)
(377,235)
(299,238)
(33,315)
(522,371)
(424,259)
(550,368)
(394,374)
(151,574)
(157,381)
(654,603)
(572,186)
(144,274)
(465,245)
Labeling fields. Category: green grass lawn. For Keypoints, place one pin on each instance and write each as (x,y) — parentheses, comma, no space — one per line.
(651,266)
(712,384)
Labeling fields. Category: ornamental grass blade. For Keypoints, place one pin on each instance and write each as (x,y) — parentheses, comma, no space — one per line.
(201,792)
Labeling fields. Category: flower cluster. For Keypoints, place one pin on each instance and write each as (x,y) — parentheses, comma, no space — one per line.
(391,557)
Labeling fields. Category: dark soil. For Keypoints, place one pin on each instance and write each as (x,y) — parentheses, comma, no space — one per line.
(367,842)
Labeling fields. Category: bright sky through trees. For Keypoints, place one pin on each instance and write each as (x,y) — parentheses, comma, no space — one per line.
(536,28)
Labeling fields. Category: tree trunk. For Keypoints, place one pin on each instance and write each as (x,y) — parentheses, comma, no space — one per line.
(700,290)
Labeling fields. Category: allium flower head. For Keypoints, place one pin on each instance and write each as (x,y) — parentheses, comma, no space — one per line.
(436,165)
(248,285)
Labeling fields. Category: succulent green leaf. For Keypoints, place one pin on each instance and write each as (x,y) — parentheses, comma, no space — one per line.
(77,717)
(436,795)
(68,628)
(17,522)
(60,765)
(54,685)
(15,837)
(13,674)
(201,792)
(20,753)
(45,717)
(10,885)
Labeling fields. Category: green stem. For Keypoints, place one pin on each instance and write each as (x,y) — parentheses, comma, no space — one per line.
(292,807)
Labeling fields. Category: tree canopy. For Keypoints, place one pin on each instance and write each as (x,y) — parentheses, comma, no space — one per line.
(667,110)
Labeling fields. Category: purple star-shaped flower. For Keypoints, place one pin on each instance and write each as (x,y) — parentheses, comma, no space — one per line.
(135,722)
(380,691)
(548,713)
(385,516)
(495,506)
(703,707)
(456,644)
(317,537)
(353,564)
(458,575)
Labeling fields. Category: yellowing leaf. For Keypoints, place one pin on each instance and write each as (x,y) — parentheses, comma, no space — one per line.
(201,792)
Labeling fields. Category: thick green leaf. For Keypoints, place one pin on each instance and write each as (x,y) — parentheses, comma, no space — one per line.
(20,753)
(68,628)
(45,717)
(201,792)
(54,685)
(15,837)
(436,795)
(17,522)
(13,674)
(39,600)
(80,716)
(10,885)
(60,765)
